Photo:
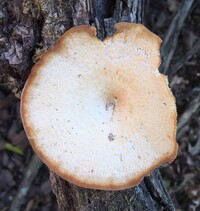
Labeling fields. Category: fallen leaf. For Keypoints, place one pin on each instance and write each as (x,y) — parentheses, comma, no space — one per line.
(14,149)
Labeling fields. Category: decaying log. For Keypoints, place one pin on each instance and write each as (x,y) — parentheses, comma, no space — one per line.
(27,29)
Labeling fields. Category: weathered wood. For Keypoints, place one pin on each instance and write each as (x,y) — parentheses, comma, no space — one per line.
(149,195)
(27,29)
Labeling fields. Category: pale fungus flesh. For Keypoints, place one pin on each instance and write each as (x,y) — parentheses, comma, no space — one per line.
(99,113)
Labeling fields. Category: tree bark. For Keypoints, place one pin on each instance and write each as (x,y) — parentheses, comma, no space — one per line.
(27,29)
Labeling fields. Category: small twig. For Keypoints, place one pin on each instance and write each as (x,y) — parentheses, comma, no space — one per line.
(189,112)
(171,39)
(185,58)
(29,175)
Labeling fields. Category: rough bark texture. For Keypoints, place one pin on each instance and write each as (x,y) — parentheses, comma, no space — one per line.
(27,29)
(149,195)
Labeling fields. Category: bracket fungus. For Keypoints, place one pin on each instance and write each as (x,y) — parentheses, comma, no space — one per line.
(99,113)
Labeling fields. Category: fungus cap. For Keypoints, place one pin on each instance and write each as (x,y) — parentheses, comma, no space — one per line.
(99,113)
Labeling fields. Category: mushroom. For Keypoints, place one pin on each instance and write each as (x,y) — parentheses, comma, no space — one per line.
(99,113)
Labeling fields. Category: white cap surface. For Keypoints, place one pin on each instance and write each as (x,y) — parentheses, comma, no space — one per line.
(100,114)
